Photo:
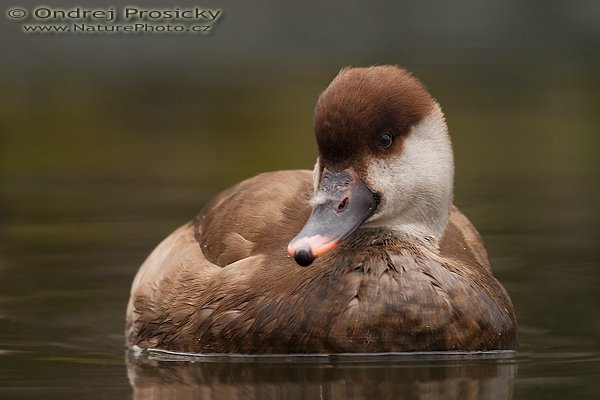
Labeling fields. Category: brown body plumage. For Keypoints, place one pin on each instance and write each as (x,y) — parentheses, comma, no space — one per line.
(237,291)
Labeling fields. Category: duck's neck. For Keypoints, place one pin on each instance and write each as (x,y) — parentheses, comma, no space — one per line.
(418,228)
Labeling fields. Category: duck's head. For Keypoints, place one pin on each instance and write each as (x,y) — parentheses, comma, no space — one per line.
(385,160)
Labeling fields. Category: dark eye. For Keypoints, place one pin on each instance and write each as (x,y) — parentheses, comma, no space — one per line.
(385,140)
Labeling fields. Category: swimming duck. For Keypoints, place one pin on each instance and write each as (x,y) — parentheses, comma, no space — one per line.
(365,253)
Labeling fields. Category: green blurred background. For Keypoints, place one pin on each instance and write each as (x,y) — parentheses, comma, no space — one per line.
(109,142)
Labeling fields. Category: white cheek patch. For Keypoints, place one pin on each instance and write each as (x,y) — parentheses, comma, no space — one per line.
(316,174)
(416,186)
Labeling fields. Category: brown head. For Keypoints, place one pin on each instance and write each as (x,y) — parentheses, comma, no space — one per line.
(385,160)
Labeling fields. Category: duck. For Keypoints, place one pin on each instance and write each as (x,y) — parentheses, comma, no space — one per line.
(365,253)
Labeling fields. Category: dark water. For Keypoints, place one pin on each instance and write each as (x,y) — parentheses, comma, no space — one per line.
(107,145)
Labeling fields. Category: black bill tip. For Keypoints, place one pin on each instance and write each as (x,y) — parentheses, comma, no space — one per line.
(304,257)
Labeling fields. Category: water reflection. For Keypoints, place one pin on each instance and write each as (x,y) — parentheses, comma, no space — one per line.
(415,377)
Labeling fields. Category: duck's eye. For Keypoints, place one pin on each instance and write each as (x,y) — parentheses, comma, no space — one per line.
(385,140)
